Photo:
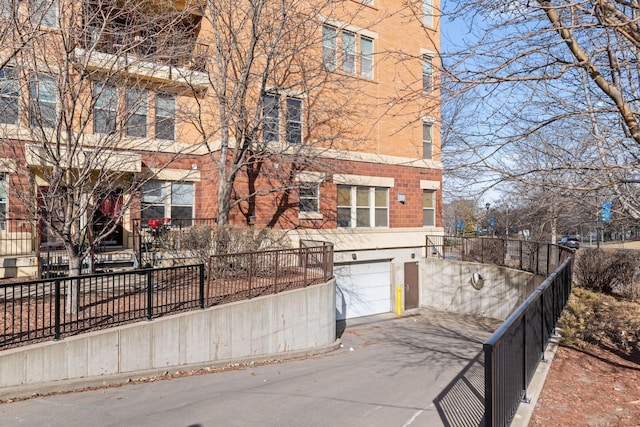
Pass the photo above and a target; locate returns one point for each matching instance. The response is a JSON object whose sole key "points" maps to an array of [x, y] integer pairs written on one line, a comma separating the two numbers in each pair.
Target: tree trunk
{"points": [[73, 286]]}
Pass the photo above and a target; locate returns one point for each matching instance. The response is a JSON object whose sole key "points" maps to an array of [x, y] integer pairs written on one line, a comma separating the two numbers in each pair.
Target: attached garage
{"points": [[362, 288]]}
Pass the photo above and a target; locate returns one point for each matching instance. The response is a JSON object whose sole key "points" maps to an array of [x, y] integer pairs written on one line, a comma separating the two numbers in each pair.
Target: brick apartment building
{"points": [[322, 119]]}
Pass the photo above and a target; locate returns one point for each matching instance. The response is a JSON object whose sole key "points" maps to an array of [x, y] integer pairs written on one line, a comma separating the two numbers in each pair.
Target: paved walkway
{"points": [[419, 370]]}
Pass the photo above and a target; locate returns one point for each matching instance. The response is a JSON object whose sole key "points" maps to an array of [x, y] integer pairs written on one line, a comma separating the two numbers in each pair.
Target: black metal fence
{"points": [[63, 306], [536, 257], [247, 275], [53, 308], [512, 353], [17, 237]]}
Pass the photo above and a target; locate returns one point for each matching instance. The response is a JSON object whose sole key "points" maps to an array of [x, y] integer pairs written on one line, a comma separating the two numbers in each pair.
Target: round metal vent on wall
{"points": [[477, 281]]}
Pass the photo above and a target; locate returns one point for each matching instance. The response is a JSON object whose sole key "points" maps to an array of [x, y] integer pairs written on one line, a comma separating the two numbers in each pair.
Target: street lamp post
{"points": [[488, 206], [507, 232]]}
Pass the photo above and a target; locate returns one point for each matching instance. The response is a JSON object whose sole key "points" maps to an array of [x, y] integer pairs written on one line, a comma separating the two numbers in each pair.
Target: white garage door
{"points": [[362, 289]]}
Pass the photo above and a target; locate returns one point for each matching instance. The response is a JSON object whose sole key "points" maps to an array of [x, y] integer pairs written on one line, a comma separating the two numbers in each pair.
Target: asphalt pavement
{"points": [[423, 369]]}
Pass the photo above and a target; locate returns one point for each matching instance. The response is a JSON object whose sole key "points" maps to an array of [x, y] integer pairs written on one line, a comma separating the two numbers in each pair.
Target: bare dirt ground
{"points": [[590, 387], [594, 379]]}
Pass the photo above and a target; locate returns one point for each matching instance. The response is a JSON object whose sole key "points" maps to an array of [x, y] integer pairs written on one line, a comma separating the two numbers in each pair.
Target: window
{"points": [[348, 52], [182, 196], [165, 116], [309, 197], [136, 105], [294, 120], [9, 96], [106, 107], [427, 13], [153, 200], [366, 57], [44, 13], [42, 101], [329, 47], [429, 208], [271, 118], [427, 73], [172, 200], [427, 141], [359, 206]]}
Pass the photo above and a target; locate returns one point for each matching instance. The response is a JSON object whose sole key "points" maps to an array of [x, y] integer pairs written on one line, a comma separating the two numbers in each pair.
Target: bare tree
{"points": [[77, 142], [566, 66], [275, 103]]}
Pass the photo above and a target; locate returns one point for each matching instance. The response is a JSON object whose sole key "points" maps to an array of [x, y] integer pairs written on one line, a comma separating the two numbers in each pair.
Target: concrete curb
{"points": [[76, 384], [525, 410]]}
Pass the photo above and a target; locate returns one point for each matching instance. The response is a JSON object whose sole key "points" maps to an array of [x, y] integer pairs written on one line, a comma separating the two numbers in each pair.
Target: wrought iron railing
{"points": [[251, 274], [17, 237], [62, 306], [537, 257], [53, 308], [513, 352]]}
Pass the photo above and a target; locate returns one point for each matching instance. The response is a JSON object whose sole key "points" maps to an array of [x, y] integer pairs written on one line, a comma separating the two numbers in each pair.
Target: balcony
{"points": [[157, 57]]}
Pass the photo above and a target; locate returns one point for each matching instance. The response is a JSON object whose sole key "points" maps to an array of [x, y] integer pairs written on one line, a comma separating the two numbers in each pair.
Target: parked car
{"points": [[569, 242]]}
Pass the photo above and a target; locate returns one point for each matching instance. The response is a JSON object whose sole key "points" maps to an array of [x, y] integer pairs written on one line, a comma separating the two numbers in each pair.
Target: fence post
{"points": [[523, 389], [275, 283], [250, 272], [548, 259], [201, 271], [305, 255], [520, 249], [57, 310], [149, 295], [489, 389]]}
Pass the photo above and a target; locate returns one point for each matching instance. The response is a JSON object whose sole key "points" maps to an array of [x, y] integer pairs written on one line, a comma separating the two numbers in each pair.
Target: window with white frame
{"points": [[165, 125], [427, 73], [9, 95], [174, 200], [348, 52], [427, 13], [329, 47], [42, 101], [105, 108], [359, 206], [44, 13], [182, 200], [366, 57], [294, 120], [309, 195], [429, 208], [271, 117], [427, 140], [136, 109]]}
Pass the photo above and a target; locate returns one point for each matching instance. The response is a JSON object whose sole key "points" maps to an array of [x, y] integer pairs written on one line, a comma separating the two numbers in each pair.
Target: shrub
{"points": [[608, 271], [602, 320], [201, 241]]}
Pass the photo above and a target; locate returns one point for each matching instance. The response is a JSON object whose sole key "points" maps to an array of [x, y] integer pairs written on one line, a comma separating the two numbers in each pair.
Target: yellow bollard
{"points": [[399, 300]]}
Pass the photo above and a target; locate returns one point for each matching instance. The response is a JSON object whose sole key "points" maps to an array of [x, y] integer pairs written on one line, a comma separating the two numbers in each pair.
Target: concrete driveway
{"points": [[423, 369]]}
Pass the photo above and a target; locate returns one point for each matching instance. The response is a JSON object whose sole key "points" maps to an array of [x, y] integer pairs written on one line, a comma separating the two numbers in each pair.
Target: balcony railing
{"points": [[180, 53]]}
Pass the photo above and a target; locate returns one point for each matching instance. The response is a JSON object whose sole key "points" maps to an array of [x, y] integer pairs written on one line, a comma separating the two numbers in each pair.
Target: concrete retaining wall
{"points": [[295, 320], [449, 285]]}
